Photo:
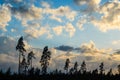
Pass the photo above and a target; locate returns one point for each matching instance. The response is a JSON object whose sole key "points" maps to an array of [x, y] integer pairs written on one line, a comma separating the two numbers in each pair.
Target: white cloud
{"points": [[56, 18], [7, 44], [115, 42], [30, 17], [105, 16], [92, 5], [80, 23], [45, 4], [13, 30], [91, 48], [58, 30], [33, 32], [49, 35], [32, 13], [61, 12], [111, 17], [70, 29], [5, 16]]}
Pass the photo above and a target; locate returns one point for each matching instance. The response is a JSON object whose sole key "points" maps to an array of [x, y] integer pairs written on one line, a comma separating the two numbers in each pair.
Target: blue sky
{"points": [[49, 16]]}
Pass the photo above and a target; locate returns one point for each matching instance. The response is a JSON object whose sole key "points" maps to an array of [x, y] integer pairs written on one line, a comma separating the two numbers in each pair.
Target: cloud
{"points": [[13, 30], [115, 42], [7, 44], [92, 61], [8, 53], [5, 16], [24, 10], [62, 11], [92, 5], [7, 61], [64, 48], [103, 16], [30, 16], [58, 30], [91, 48], [110, 18], [45, 4], [27, 14], [36, 32], [56, 18], [85, 48], [55, 14], [70, 29], [80, 23]]}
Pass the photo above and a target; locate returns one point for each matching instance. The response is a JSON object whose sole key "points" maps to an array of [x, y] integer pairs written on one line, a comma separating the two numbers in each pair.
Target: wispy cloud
{"points": [[115, 42]]}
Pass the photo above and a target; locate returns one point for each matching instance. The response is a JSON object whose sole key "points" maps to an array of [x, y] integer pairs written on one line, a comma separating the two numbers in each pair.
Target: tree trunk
{"points": [[31, 63], [19, 64]]}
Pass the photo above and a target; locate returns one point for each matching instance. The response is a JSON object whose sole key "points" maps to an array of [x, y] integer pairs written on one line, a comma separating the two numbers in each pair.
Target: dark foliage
{"points": [[35, 74]]}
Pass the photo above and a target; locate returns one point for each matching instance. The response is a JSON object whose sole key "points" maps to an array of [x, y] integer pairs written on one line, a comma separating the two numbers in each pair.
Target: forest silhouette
{"points": [[26, 71]]}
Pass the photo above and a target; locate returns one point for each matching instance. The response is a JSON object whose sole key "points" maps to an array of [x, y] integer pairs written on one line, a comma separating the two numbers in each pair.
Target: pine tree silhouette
{"points": [[24, 66], [110, 72], [46, 55], [20, 47], [75, 66], [101, 68], [29, 58], [118, 69], [83, 67], [67, 65], [8, 72]]}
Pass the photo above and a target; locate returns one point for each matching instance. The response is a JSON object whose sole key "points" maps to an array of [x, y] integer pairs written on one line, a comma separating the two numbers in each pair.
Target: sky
{"points": [[93, 26], [60, 22]]}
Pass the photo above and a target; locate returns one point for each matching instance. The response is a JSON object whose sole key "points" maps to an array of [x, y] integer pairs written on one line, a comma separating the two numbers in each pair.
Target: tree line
{"points": [[27, 71]]}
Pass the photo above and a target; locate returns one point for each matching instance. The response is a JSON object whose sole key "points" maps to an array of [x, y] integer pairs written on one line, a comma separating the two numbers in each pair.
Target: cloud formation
{"points": [[115, 42], [5, 16], [62, 11], [27, 14], [91, 5], [58, 30], [107, 15], [70, 29], [91, 48], [110, 18]]}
